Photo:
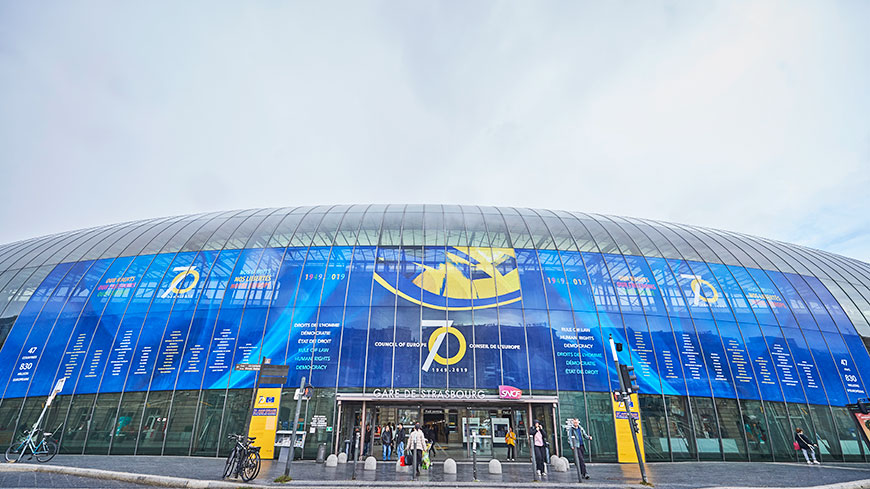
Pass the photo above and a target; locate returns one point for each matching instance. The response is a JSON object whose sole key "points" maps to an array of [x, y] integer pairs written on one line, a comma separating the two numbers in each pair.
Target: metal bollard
{"points": [[576, 456], [534, 462], [414, 468], [355, 455], [474, 456]]}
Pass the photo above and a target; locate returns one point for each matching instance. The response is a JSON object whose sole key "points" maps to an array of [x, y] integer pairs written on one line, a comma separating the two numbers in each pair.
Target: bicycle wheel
{"points": [[13, 453], [251, 466], [231, 464], [46, 451]]}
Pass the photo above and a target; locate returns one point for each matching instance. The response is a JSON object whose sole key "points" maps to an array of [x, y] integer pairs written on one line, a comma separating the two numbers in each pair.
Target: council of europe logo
{"points": [[468, 278]]}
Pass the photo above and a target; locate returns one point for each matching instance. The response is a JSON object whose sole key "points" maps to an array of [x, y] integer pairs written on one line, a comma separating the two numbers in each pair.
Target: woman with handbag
{"points": [[802, 443]]}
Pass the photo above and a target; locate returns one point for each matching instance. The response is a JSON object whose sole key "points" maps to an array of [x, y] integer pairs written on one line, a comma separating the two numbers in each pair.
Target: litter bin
{"points": [[321, 453]]}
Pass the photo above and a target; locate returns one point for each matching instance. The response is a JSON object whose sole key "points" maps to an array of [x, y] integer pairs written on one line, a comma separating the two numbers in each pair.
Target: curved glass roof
{"points": [[453, 225]]}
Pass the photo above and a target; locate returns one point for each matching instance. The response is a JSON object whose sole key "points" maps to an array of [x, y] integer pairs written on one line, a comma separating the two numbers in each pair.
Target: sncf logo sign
{"points": [[508, 392]]}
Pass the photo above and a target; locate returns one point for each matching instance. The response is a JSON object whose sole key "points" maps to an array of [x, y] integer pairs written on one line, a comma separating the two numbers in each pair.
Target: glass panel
{"points": [[175, 243], [826, 435], [129, 420], [96, 243], [77, 424], [208, 423], [454, 225], [282, 234], [519, 234], [103, 426], [200, 237], [135, 247], [643, 242], [242, 233], [234, 416], [165, 234], [699, 246], [731, 427], [181, 419], [704, 416], [370, 228], [261, 236], [497, 230], [655, 429], [664, 246], [600, 235], [680, 428], [540, 234], [603, 444], [8, 420], [755, 429], [848, 435], [412, 229], [346, 235], [781, 433], [684, 248], [625, 244], [391, 229], [325, 234], [475, 226], [154, 423]]}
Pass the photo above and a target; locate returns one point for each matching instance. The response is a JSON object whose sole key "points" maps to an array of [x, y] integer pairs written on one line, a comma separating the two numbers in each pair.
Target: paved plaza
{"points": [[206, 472]]}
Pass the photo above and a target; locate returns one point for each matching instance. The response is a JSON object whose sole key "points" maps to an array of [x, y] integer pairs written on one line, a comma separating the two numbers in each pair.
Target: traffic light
{"points": [[629, 379]]}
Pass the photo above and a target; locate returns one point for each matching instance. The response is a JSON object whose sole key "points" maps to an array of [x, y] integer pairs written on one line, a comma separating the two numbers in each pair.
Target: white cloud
{"points": [[739, 115]]}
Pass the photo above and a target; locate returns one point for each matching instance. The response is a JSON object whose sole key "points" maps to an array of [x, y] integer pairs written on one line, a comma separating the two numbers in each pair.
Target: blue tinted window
{"points": [[603, 292]]}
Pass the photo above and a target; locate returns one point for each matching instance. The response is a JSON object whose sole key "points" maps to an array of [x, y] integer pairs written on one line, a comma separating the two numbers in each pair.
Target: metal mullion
{"points": [[48, 297], [336, 415], [646, 320], [144, 321], [785, 340], [184, 347], [369, 321]]}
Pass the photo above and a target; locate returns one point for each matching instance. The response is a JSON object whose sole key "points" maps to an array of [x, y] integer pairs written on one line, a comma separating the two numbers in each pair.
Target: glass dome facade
{"points": [[736, 340]]}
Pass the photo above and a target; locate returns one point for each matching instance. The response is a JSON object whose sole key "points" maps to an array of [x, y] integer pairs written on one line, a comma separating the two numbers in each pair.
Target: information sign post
{"points": [[54, 392], [303, 392]]}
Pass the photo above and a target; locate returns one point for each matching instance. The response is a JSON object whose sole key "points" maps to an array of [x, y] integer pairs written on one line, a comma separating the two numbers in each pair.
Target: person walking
{"points": [[367, 441], [429, 433], [417, 443], [539, 442], [400, 440], [387, 442], [805, 445], [576, 434], [511, 439]]}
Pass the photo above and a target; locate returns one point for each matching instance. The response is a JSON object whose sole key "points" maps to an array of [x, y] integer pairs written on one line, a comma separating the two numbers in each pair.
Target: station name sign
{"points": [[429, 394]]}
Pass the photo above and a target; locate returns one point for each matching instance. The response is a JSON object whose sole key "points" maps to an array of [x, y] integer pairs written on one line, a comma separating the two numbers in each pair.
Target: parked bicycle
{"points": [[244, 460], [40, 443]]}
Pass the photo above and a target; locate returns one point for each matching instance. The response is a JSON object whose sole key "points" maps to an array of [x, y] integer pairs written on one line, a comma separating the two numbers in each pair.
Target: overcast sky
{"points": [[746, 116]]}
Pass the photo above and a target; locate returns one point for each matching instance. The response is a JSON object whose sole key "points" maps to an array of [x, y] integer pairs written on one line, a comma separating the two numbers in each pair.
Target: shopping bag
{"points": [[797, 446], [402, 460]]}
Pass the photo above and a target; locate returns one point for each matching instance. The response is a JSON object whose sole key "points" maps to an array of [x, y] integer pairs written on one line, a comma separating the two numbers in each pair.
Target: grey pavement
{"points": [[20, 480], [679, 475]]}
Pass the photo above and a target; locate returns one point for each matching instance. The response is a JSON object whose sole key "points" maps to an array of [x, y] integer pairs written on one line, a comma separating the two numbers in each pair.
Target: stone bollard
{"points": [[402, 468], [566, 462], [332, 460], [371, 463], [342, 458], [449, 466], [558, 464], [494, 467]]}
